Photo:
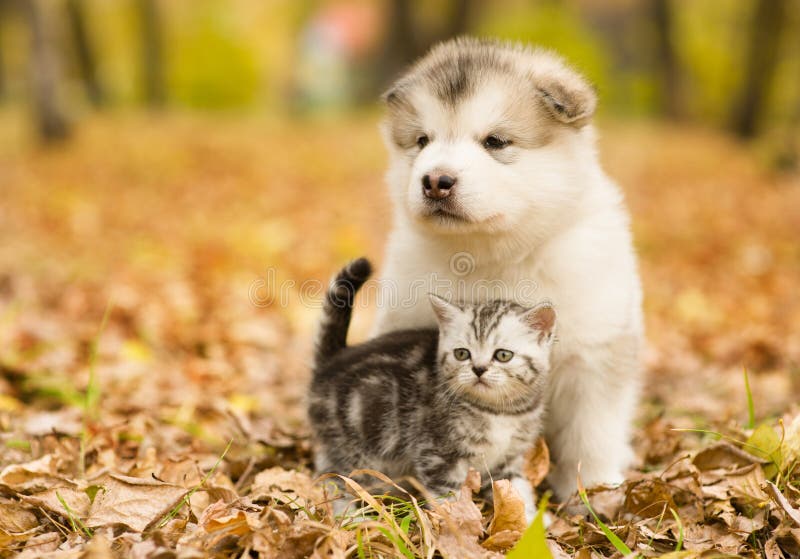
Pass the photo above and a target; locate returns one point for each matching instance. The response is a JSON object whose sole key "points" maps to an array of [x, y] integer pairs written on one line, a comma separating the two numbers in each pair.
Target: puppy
{"points": [[494, 178]]}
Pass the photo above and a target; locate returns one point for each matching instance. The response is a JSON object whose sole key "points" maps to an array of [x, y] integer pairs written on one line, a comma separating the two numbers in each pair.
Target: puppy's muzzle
{"points": [[437, 185]]}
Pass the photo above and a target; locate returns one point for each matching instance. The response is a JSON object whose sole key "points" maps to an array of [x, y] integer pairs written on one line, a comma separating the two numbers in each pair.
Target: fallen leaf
{"points": [[537, 463], [17, 524], [285, 486], [776, 495], [509, 509], [772, 550], [461, 525], [747, 495], [766, 443], [502, 540], [77, 500], [98, 548], [791, 441], [133, 502], [647, 498], [723, 455], [33, 476], [42, 544]]}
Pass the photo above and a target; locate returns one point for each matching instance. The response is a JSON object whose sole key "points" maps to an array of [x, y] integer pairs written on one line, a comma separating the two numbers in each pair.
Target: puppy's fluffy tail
{"points": [[338, 308]]}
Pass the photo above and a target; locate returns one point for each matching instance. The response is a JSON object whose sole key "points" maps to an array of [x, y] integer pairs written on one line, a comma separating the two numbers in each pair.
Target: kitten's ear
{"points": [[542, 319], [445, 310]]}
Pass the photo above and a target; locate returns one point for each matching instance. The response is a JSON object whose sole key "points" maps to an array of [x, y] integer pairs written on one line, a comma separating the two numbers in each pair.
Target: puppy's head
{"points": [[488, 137]]}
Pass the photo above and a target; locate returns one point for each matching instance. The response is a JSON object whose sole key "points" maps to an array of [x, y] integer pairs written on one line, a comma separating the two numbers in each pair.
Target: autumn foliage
{"points": [[151, 388]]}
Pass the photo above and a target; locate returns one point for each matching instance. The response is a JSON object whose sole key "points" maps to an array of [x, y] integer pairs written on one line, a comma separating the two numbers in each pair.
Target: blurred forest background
{"points": [[166, 165], [731, 64]]}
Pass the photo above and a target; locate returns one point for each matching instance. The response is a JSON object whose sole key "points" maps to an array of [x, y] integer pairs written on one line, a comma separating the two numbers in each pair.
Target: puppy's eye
{"points": [[503, 355], [423, 141], [494, 142], [461, 354]]}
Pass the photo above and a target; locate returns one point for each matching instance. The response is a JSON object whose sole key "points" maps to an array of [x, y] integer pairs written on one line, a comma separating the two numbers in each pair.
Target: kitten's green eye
{"points": [[461, 354], [503, 355]]}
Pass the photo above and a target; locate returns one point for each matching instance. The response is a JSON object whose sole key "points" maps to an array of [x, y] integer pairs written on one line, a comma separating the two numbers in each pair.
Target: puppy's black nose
{"points": [[478, 370], [437, 185]]}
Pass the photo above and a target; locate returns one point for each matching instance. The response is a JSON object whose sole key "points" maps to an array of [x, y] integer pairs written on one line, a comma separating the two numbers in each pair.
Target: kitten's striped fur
{"points": [[403, 404]]}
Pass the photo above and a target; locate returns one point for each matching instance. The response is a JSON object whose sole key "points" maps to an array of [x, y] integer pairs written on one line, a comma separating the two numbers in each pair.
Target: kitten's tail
{"points": [[337, 309]]}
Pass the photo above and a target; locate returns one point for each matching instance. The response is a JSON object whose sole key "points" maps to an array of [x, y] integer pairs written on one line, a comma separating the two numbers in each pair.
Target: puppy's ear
{"points": [[391, 96], [445, 310], [542, 319], [568, 99]]}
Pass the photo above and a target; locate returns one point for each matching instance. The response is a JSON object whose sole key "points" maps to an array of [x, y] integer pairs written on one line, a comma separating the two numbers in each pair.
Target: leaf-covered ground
{"points": [[151, 401]]}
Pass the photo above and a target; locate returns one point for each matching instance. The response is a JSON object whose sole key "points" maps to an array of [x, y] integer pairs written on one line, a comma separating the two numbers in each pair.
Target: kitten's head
{"points": [[495, 354]]}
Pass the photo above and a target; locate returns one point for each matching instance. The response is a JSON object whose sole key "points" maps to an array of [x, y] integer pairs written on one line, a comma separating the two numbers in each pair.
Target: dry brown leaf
{"points": [[556, 551], [38, 546], [285, 486], [280, 538], [77, 500], [509, 508], [791, 441], [225, 523], [334, 545], [701, 537], [723, 455], [605, 501], [660, 441], [780, 500], [537, 462], [133, 502], [502, 540], [17, 524], [648, 498], [772, 550], [461, 525], [747, 495], [98, 548], [33, 476]]}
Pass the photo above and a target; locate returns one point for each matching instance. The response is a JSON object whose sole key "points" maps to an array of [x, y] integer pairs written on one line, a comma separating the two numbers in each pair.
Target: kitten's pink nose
{"points": [[478, 370]]}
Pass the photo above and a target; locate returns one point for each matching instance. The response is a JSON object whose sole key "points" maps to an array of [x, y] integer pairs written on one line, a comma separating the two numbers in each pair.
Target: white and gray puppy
{"points": [[492, 159]]}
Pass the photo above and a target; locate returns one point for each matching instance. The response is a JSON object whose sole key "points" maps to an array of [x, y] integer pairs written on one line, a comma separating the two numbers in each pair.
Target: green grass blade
{"points": [[91, 402], [751, 408], [677, 518], [73, 520], [533, 542], [360, 545], [93, 388], [615, 540], [398, 542], [185, 501]]}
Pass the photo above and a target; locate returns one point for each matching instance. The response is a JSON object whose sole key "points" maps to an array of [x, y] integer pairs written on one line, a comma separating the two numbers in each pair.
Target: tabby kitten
{"points": [[431, 404]]}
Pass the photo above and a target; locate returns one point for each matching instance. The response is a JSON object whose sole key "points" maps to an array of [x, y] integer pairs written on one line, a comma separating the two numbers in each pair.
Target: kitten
{"points": [[431, 404]]}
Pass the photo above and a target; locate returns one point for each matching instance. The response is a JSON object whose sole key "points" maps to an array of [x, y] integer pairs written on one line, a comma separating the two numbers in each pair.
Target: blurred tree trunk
{"points": [[399, 47], [666, 63], [762, 59], [459, 19], [87, 62], [3, 18], [51, 122], [405, 41], [152, 52]]}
